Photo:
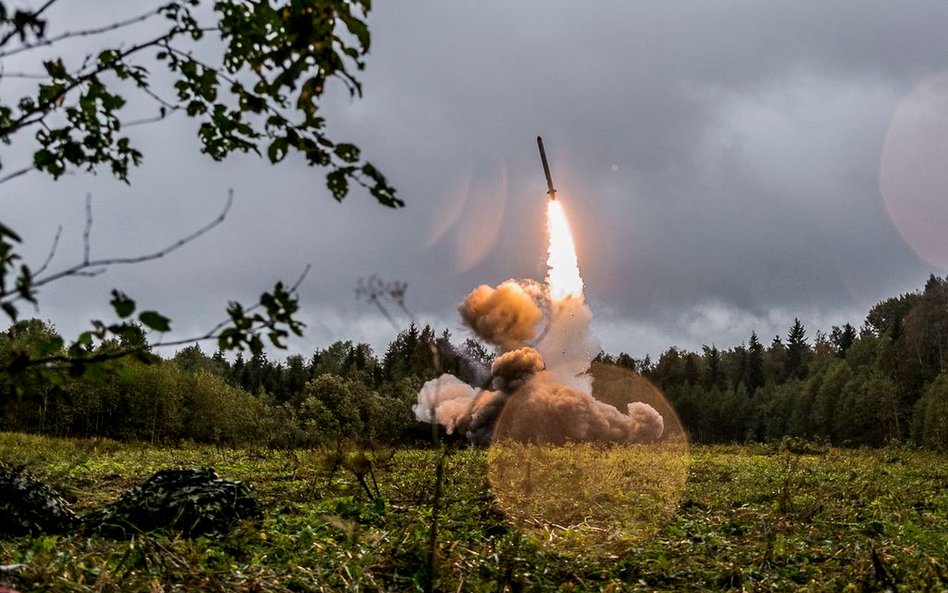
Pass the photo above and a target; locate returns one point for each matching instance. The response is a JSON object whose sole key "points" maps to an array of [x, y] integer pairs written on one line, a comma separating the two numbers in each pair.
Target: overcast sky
{"points": [[726, 166]]}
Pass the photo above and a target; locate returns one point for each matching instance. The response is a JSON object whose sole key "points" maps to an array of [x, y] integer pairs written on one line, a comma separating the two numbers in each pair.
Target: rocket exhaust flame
{"points": [[563, 268]]}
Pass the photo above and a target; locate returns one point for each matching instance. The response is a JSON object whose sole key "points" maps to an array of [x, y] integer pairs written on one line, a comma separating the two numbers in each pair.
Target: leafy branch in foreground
{"points": [[28, 283], [261, 95], [272, 315]]}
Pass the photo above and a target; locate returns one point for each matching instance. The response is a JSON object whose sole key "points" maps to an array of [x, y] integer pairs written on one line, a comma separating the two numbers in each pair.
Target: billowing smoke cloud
{"points": [[540, 392], [512, 369], [505, 316], [546, 411], [445, 400]]}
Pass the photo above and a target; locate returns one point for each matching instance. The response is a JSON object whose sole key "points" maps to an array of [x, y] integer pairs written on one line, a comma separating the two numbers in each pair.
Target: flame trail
{"points": [[545, 378], [563, 269], [567, 347]]}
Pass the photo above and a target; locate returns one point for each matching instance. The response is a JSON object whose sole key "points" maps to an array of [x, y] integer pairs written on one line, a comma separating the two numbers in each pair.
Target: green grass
{"points": [[747, 518]]}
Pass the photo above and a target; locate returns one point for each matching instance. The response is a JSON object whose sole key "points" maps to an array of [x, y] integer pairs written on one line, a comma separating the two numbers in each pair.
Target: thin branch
{"points": [[6, 38], [71, 34], [89, 267], [87, 232], [40, 111], [43, 8], [374, 290], [52, 252], [145, 121], [30, 75], [16, 174], [164, 103], [212, 334], [163, 112]]}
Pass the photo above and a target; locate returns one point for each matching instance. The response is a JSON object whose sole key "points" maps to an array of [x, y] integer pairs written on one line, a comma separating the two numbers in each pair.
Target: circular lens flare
{"points": [[589, 497], [913, 172]]}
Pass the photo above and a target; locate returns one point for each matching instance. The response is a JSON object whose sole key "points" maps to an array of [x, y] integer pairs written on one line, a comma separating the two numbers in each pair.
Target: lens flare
{"points": [[563, 269], [593, 498], [912, 174]]}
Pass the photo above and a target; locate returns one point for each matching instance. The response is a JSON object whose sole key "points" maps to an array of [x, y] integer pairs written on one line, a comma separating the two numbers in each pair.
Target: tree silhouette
{"points": [[797, 351], [754, 371]]}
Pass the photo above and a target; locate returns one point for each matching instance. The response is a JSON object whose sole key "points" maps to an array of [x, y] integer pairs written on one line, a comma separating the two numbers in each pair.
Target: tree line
{"points": [[341, 392], [884, 382]]}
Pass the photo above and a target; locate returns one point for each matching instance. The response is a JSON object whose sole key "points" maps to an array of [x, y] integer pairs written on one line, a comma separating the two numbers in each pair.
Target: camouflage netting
{"points": [[28, 506], [188, 501]]}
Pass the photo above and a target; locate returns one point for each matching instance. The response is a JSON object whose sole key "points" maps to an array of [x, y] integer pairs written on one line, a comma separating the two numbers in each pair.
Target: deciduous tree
{"points": [[251, 73]]}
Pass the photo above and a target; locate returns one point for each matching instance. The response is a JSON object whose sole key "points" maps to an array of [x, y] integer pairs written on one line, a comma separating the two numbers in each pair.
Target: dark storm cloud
{"points": [[719, 162]]}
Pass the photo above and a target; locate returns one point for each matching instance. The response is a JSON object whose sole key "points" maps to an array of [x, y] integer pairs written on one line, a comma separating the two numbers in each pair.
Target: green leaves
{"points": [[21, 287], [276, 321], [154, 320], [55, 68], [278, 149], [123, 305], [347, 152], [338, 182], [263, 95]]}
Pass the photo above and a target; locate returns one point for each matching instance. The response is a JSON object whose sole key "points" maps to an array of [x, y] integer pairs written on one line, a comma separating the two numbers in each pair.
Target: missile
{"points": [[546, 170]]}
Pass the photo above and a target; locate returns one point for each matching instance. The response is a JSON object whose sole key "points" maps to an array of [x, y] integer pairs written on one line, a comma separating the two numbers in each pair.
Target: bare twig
{"points": [[213, 333], [16, 174], [163, 102], [89, 267], [86, 248], [375, 290], [29, 75], [71, 34], [52, 252], [166, 107], [43, 8], [89, 263]]}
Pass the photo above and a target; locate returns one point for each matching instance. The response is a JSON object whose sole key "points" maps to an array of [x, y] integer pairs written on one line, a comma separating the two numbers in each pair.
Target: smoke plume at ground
{"points": [[540, 392], [546, 411]]}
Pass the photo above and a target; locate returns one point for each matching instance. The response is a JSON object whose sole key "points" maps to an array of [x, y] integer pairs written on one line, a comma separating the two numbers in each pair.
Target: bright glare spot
{"points": [[563, 275], [591, 499], [913, 174]]}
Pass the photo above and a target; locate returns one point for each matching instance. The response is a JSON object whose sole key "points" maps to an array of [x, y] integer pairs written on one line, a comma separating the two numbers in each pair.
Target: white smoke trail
{"points": [[541, 393]]}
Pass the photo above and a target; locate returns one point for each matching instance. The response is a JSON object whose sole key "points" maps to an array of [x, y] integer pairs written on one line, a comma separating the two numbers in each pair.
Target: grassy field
{"points": [[739, 518]]}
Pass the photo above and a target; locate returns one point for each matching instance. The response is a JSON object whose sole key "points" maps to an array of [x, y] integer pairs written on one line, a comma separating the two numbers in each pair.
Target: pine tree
{"points": [[754, 370], [797, 351], [714, 376], [842, 338]]}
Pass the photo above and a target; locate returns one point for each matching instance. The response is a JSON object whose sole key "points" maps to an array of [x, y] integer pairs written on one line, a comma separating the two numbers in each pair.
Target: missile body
{"points": [[546, 170]]}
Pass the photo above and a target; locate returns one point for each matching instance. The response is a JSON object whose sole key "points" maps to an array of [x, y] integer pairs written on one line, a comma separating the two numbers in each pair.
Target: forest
{"points": [[883, 383]]}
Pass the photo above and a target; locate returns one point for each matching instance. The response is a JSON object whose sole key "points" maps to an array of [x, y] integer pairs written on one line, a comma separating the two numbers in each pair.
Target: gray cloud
{"points": [[719, 162]]}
